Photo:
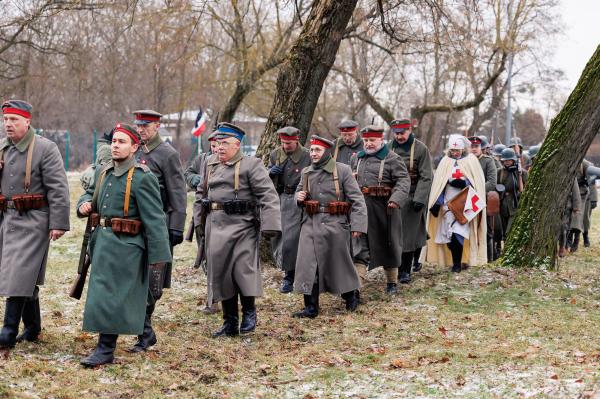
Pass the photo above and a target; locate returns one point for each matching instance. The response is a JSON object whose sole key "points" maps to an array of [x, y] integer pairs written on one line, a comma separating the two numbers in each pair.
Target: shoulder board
{"points": [[143, 167]]}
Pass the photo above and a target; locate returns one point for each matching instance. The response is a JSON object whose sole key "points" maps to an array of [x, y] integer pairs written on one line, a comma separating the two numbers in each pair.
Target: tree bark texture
{"points": [[533, 239], [303, 73]]}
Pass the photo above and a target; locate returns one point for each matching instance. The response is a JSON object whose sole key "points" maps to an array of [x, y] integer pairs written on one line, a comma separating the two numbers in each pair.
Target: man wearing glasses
{"points": [[417, 159]]}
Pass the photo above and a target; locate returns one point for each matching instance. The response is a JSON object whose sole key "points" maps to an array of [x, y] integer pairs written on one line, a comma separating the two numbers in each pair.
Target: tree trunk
{"points": [[533, 239], [303, 73]]}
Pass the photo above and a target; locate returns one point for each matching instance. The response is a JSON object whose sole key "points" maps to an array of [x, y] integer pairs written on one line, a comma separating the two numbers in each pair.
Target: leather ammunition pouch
{"points": [[493, 203], [311, 206], [338, 208], [457, 206], [157, 273], [3, 203], [26, 202], [230, 207], [377, 191], [129, 227]]}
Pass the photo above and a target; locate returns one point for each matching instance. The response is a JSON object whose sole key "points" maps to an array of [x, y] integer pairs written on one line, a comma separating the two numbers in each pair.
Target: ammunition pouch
{"points": [[237, 206], [157, 273], [129, 227], [26, 202], [338, 208], [311, 206], [377, 191], [3, 203]]}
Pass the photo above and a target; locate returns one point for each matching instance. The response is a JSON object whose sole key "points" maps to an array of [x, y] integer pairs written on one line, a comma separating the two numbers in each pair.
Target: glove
{"points": [[458, 183], [435, 210], [270, 233], [275, 170], [195, 181], [594, 204], [175, 237], [417, 206]]}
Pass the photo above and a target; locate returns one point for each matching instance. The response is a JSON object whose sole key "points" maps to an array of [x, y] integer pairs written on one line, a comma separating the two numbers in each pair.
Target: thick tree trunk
{"points": [[533, 239], [303, 73]]}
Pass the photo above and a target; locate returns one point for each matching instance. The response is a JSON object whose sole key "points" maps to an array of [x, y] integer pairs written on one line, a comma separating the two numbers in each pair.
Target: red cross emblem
{"points": [[457, 174], [474, 200]]}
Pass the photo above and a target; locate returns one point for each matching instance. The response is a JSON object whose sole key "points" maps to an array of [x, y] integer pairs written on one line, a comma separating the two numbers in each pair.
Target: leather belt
{"points": [[216, 206], [289, 190], [105, 222]]}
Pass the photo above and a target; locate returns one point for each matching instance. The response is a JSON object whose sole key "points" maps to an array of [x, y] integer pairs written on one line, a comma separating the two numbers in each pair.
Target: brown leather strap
{"points": [[337, 149], [128, 191], [306, 184], [336, 183], [28, 164], [412, 157], [380, 176], [236, 176], [97, 191]]}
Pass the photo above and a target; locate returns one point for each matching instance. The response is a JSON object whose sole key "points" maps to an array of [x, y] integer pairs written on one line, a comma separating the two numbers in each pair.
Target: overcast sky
{"points": [[581, 20]]}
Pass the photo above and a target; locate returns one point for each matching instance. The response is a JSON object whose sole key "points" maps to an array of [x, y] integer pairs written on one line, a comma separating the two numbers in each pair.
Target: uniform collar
{"points": [[328, 167], [356, 144], [406, 145], [295, 156], [120, 170], [22, 145], [152, 144], [238, 155]]}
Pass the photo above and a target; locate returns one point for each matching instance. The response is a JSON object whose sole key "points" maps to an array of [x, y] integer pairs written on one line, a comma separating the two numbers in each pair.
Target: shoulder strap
{"points": [[336, 183], [380, 176], [97, 190], [28, 164], [411, 162], [358, 166], [337, 150], [1, 164], [236, 177], [306, 183], [128, 192]]}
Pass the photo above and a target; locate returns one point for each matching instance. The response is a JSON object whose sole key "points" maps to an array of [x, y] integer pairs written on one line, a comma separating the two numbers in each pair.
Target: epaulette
{"points": [[143, 167]]}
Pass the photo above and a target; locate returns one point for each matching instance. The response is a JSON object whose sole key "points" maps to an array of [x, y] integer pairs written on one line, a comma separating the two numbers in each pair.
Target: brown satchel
{"points": [[457, 206], [493, 203]]}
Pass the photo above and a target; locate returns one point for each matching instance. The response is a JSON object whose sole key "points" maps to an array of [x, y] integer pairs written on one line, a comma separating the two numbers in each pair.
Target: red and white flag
{"points": [[200, 125], [474, 205]]}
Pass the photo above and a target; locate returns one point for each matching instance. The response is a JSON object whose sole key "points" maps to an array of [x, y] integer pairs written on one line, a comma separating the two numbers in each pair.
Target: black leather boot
{"points": [[146, 339], [32, 319], [12, 319], [456, 249], [417, 266], [351, 300], [104, 352], [586, 239], [311, 304], [230, 327], [287, 284], [576, 237], [248, 314], [405, 266]]}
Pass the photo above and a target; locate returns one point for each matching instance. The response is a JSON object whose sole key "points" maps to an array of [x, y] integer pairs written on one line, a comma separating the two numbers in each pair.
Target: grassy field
{"points": [[485, 333]]}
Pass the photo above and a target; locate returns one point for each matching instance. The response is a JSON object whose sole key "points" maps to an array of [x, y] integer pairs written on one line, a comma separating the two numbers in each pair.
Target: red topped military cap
{"points": [[17, 107], [145, 116]]}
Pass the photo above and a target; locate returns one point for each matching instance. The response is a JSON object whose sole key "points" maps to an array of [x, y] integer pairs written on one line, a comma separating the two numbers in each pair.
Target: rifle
{"points": [[84, 263]]}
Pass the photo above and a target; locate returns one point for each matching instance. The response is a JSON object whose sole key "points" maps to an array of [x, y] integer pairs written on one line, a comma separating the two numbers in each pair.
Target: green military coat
{"points": [[118, 287], [345, 152], [490, 172], [421, 176]]}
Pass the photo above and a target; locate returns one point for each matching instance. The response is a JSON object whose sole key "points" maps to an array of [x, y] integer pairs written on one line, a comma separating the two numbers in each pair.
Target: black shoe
{"points": [[248, 314], [417, 267], [33, 321], [306, 313], [351, 300], [230, 327], [586, 240], [576, 237], [12, 319], [311, 305], [104, 352], [456, 269], [146, 340], [391, 288], [286, 287], [404, 278]]}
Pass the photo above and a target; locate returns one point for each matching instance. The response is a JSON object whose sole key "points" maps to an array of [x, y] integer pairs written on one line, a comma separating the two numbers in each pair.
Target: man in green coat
{"points": [[129, 233], [349, 143], [417, 159]]}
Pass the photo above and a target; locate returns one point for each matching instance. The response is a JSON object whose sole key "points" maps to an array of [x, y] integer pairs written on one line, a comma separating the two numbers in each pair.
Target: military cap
{"points": [[17, 107], [226, 130], [515, 141], [400, 125], [317, 140], [128, 130], [498, 149], [145, 116], [508, 154], [347, 124], [213, 135], [533, 150], [372, 131], [289, 133], [475, 140]]}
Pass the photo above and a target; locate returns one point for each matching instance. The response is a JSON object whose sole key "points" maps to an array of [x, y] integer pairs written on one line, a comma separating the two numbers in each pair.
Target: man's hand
{"points": [[175, 237], [195, 181], [356, 234], [418, 206], [593, 204], [85, 209], [275, 170], [393, 205], [435, 210], [300, 196], [56, 234]]}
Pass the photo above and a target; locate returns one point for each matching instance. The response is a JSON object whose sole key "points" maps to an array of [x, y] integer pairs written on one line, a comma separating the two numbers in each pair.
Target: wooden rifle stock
{"points": [[84, 263]]}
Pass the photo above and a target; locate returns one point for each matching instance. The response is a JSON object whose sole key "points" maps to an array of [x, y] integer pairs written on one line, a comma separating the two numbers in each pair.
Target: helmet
{"points": [[484, 142], [498, 149], [508, 154], [533, 150], [515, 141]]}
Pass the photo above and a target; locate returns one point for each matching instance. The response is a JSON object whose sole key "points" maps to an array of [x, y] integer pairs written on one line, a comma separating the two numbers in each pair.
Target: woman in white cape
{"points": [[457, 170]]}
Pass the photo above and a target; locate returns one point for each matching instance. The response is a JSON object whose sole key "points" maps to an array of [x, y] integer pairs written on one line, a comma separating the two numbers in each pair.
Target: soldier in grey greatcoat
{"points": [[34, 206], [490, 172], [334, 213], [385, 184], [241, 203], [590, 204], [513, 179], [349, 143], [417, 159], [163, 161], [285, 166]]}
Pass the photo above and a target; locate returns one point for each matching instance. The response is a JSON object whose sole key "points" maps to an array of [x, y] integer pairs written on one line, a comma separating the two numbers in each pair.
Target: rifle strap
{"points": [[306, 184], [336, 183], [337, 149], [1, 165], [128, 192], [236, 177], [380, 176], [411, 162], [97, 191], [28, 164]]}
